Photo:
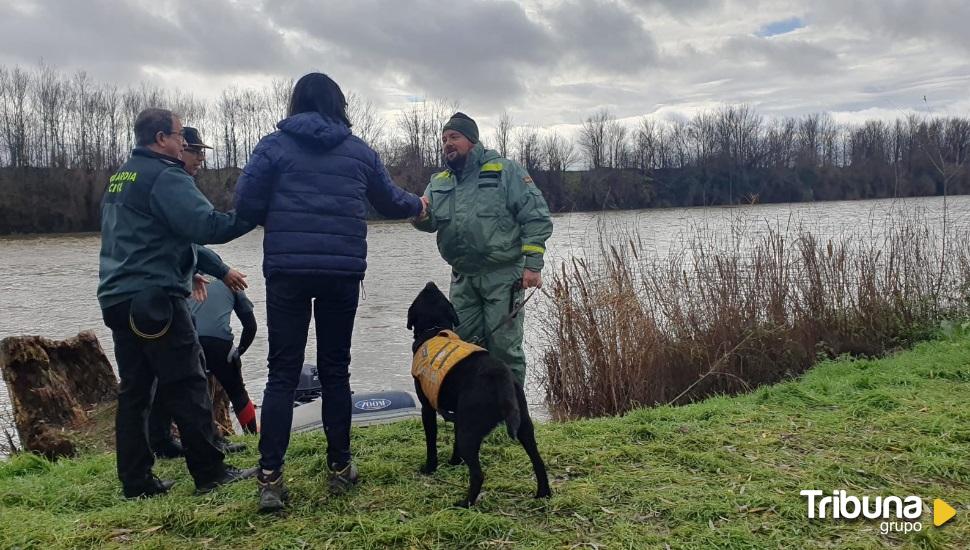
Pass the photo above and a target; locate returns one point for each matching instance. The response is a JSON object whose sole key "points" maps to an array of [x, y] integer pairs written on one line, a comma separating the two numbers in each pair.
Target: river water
{"points": [[48, 284]]}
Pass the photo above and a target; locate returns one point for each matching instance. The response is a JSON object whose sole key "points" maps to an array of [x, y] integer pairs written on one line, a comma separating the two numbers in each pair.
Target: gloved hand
{"points": [[233, 356]]}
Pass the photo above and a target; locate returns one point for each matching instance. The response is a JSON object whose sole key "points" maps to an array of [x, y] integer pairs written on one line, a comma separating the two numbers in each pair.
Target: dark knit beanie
{"points": [[462, 123]]}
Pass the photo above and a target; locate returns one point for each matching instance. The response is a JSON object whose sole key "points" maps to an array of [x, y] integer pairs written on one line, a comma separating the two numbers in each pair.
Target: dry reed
{"points": [[724, 313]]}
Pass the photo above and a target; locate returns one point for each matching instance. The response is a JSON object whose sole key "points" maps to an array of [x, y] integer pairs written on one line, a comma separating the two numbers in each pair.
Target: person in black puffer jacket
{"points": [[308, 184]]}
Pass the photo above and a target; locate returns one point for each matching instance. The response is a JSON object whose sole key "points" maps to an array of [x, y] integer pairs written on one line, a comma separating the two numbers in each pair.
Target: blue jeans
{"points": [[289, 299]]}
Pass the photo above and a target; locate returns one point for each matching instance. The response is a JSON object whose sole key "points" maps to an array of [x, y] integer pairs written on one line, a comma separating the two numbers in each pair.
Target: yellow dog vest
{"points": [[435, 358]]}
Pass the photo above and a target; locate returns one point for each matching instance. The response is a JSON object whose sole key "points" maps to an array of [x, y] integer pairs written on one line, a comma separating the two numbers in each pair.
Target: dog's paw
{"points": [[428, 469], [463, 503], [455, 460], [543, 494]]}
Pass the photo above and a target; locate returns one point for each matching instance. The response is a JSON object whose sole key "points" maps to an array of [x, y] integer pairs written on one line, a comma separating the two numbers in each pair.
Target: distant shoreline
{"points": [[379, 221]]}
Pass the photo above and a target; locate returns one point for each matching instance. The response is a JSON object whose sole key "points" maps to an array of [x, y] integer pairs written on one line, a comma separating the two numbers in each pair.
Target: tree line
{"points": [[51, 120]]}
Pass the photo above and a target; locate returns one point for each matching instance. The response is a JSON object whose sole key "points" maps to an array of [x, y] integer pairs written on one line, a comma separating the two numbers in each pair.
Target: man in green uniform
{"points": [[492, 224], [151, 215]]}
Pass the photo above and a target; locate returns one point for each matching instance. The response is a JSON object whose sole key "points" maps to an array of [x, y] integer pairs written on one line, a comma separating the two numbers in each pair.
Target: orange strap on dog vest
{"points": [[435, 358]]}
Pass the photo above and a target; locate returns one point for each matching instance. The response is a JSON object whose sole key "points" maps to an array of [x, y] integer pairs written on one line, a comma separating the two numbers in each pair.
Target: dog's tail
{"points": [[508, 404]]}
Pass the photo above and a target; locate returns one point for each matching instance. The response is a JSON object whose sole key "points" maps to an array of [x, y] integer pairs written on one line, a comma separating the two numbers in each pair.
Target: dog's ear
{"points": [[411, 317], [454, 314]]}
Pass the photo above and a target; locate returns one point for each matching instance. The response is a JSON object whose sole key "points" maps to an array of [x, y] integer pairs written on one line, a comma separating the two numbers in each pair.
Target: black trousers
{"points": [[175, 361], [290, 299], [229, 376]]}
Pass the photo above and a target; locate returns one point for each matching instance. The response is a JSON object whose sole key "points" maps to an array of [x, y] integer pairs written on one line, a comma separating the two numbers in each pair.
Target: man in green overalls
{"points": [[492, 224]]}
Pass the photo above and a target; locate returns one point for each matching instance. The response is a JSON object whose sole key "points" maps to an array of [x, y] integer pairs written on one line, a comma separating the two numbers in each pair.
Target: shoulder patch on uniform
{"points": [[528, 180], [442, 175], [492, 167]]}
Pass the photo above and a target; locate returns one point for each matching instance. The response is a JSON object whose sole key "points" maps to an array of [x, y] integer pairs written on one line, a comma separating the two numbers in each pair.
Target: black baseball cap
{"points": [[193, 139]]}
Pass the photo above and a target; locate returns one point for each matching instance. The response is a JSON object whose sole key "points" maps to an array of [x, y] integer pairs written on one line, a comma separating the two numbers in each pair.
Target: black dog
{"points": [[477, 394]]}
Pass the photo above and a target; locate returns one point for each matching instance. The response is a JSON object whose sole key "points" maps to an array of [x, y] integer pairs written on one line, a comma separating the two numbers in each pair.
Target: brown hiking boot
{"points": [[342, 479], [273, 493]]}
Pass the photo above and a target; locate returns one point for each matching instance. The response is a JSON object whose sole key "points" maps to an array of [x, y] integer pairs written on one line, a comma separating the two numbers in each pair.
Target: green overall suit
{"points": [[491, 222]]}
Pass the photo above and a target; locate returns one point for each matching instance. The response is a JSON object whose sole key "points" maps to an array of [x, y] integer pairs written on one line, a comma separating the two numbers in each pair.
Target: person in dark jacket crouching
{"points": [[151, 215], [308, 184], [223, 361]]}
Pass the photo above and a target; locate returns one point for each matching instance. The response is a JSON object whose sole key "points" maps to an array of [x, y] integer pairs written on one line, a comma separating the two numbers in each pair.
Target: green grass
{"points": [[723, 473]]}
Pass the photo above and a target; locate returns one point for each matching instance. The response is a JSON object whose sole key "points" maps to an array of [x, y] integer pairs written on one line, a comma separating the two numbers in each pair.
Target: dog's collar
{"points": [[428, 333], [420, 337]]}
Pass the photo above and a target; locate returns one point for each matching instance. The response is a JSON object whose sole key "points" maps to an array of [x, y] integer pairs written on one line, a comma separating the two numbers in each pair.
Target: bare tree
{"points": [[663, 148], [367, 122], [738, 132], [15, 114], [411, 123], [130, 106], [51, 95], [421, 125], [615, 144], [680, 145], [644, 149], [228, 109], [779, 149], [809, 140], [280, 90], [438, 113], [503, 134], [592, 139], [254, 111], [110, 118], [699, 139], [82, 123], [527, 146], [558, 152]]}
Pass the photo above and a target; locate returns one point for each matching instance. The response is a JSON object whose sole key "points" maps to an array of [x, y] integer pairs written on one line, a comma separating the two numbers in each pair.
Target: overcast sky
{"points": [[547, 62]]}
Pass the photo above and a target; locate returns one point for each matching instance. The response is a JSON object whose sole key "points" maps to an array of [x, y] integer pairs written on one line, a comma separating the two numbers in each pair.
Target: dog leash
{"points": [[514, 309]]}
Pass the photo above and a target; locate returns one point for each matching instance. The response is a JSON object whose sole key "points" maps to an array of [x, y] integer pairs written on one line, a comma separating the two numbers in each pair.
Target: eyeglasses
{"points": [[179, 133]]}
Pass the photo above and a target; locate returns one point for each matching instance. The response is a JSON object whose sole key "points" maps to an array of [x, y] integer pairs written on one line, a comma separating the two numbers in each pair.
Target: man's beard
{"points": [[457, 164]]}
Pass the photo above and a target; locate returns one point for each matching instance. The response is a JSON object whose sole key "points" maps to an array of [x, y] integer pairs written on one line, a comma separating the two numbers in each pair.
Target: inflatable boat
{"points": [[367, 408]]}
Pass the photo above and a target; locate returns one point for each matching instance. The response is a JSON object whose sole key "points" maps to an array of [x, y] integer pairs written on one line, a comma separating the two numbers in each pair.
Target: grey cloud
{"points": [[795, 57], [680, 7], [604, 36], [940, 21], [487, 53], [548, 62], [221, 37], [85, 35], [622, 100], [747, 71], [115, 39], [481, 53]]}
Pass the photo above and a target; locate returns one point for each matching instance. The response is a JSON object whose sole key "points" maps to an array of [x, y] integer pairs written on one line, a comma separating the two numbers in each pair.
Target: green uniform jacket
{"points": [[210, 263], [151, 214], [489, 216]]}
